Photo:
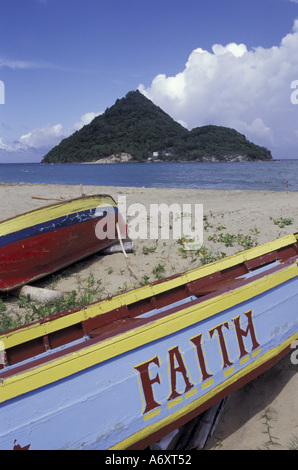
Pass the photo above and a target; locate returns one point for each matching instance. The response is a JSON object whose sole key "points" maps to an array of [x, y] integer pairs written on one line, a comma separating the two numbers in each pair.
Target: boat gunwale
{"points": [[69, 317], [58, 203]]}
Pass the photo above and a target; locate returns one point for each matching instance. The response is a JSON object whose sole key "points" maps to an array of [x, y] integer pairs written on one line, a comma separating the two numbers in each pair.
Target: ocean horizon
{"points": [[260, 176]]}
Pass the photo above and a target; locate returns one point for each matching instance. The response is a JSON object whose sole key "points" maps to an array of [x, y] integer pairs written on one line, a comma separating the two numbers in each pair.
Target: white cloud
{"points": [[30, 64], [43, 137], [232, 86], [236, 50], [85, 119], [49, 136], [46, 137], [18, 64]]}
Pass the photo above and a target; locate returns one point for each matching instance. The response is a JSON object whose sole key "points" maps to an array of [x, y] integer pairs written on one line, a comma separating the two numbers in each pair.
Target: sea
{"points": [[259, 176]]}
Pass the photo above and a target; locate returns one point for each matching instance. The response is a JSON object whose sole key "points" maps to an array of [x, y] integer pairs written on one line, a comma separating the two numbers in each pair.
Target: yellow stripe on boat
{"points": [[51, 212]]}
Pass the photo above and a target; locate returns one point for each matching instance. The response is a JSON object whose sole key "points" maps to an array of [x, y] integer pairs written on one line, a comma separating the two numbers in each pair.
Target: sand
{"points": [[261, 415]]}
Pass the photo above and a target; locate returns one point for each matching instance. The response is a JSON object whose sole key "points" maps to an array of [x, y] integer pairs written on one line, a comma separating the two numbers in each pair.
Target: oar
{"points": [[46, 199], [124, 252]]}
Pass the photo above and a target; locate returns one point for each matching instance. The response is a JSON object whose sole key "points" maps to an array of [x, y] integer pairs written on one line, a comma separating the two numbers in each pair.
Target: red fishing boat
{"points": [[39, 242]]}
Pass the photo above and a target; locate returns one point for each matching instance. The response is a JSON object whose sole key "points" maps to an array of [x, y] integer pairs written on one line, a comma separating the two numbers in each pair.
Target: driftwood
{"points": [[46, 199], [38, 294], [124, 252]]}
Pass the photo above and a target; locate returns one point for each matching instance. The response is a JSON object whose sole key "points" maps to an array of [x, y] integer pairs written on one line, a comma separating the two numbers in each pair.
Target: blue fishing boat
{"points": [[125, 371]]}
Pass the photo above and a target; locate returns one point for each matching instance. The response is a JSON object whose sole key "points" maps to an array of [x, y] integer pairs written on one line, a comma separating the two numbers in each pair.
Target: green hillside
{"points": [[136, 126]]}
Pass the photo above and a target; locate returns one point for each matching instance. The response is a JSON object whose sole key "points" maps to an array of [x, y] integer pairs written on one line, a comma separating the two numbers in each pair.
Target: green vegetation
{"points": [[147, 250], [205, 255], [228, 240], [159, 271], [282, 222], [32, 312], [268, 416], [136, 126]]}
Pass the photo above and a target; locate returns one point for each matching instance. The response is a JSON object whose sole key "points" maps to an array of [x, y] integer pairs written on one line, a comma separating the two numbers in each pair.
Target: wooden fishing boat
{"points": [[123, 372], [39, 242]]}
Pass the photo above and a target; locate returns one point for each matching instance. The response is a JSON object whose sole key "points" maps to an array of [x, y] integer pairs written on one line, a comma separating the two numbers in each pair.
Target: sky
{"points": [[231, 63]]}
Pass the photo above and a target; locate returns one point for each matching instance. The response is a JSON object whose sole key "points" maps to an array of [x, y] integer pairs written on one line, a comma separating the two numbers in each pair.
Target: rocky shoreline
{"points": [[128, 158]]}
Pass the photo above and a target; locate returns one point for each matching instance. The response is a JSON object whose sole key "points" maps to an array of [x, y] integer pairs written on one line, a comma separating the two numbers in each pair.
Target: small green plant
{"points": [[91, 289], [246, 241], [268, 417], [185, 239], [145, 280], [207, 256], [7, 323], [294, 443], [206, 222], [147, 250], [282, 222], [183, 252], [226, 238], [85, 295], [35, 312], [159, 271], [2, 306], [229, 239]]}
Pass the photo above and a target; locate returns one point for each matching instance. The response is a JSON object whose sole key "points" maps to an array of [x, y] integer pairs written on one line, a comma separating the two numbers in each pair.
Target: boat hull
{"points": [[43, 241], [125, 387]]}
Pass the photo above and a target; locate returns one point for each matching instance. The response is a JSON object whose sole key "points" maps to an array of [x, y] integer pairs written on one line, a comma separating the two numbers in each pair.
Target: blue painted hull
{"points": [[104, 406], [123, 372]]}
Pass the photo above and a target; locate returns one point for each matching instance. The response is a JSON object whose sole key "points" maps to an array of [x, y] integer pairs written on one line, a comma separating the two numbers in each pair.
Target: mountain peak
{"points": [[135, 125]]}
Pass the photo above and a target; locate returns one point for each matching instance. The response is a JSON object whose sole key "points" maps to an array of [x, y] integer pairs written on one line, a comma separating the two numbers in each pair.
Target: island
{"points": [[134, 129]]}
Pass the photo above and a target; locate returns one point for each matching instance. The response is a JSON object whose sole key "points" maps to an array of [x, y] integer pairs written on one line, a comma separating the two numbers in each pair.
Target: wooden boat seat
{"points": [[112, 326], [261, 260], [223, 284]]}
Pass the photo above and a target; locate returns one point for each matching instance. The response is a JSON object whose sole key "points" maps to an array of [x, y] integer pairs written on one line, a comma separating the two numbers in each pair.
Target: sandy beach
{"points": [[264, 413]]}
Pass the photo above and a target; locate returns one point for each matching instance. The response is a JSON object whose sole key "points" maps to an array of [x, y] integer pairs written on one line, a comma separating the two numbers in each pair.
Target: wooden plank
{"points": [[261, 260], [195, 287], [102, 320]]}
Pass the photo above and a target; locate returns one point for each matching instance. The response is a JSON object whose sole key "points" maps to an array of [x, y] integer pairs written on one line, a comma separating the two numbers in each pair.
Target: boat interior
{"points": [[137, 313]]}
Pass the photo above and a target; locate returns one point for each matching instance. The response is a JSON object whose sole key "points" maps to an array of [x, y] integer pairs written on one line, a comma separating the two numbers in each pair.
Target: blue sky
{"points": [[231, 63]]}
